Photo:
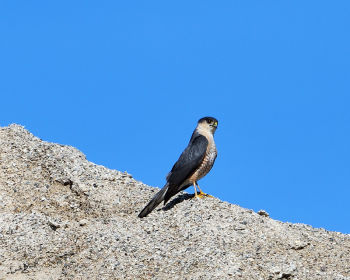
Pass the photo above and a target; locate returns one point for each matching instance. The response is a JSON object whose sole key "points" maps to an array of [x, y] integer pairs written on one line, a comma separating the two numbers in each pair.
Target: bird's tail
{"points": [[158, 198]]}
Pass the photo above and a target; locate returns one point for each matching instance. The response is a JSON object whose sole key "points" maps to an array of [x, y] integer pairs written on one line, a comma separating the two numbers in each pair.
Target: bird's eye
{"points": [[209, 121]]}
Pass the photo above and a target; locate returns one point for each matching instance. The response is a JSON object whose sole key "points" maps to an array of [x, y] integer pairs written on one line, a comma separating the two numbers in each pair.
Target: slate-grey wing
{"points": [[186, 165]]}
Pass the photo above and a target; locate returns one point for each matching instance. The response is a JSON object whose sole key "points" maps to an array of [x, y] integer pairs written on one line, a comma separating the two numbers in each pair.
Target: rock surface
{"points": [[63, 217]]}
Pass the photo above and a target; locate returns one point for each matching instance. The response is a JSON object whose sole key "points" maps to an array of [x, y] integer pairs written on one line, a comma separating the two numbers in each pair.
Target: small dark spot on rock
{"points": [[53, 225], [263, 213], [68, 182]]}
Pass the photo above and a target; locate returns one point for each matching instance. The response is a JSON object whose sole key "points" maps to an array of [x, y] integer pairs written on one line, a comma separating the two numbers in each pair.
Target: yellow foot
{"points": [[202, 194]]}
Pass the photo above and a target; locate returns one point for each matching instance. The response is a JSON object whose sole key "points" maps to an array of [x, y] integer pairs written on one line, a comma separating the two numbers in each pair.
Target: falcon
{"points": [[193, 164]]}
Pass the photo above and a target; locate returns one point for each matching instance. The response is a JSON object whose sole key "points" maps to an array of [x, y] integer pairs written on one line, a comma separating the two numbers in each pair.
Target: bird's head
{"points": [[208, 124]]}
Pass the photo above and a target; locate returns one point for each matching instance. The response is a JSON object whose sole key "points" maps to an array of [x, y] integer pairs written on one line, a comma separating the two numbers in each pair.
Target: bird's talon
{"points": [[202, 195]]}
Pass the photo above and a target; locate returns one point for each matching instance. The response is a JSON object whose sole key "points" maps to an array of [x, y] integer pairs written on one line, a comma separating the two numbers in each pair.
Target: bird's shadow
{"points": [[179, 199]]}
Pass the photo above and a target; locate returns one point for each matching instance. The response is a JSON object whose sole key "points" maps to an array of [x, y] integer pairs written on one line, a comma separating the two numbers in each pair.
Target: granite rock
{"points": [[63, 217]]}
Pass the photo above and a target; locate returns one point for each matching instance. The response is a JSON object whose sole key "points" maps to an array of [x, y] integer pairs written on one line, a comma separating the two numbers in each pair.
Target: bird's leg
{"points": [[195, 190], [201, 194]]}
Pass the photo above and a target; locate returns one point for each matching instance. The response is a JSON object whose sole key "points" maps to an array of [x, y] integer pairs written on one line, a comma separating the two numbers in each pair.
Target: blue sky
{"points": [[125, 82]]}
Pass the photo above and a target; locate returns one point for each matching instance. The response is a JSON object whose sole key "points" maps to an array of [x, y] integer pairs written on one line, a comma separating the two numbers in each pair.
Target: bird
{"points": [[193, 164]]}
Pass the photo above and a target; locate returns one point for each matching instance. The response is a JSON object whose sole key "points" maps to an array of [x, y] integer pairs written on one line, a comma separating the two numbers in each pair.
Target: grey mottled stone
{"points": [[63, 217]]}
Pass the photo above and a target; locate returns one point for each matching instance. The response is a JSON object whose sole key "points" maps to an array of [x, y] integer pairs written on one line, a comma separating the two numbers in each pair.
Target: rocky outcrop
{"points": [[63, 217]]}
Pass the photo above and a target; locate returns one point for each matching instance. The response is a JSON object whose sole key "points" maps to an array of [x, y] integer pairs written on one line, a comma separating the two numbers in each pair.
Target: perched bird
{"points": [[193, 164]]}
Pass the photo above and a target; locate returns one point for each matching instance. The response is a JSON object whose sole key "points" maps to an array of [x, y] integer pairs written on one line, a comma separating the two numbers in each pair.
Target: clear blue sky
{"points": [[126, 81]]}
